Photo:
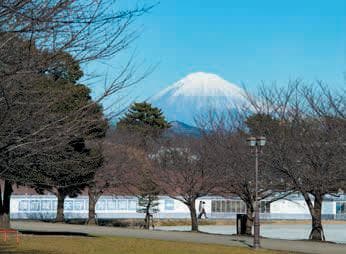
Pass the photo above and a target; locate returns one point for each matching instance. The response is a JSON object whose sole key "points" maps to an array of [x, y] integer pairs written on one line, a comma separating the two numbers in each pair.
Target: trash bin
{"points": [[241, 224]]}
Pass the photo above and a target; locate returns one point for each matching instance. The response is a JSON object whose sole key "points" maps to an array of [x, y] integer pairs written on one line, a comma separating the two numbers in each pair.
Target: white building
{"points": [[111, 207]]}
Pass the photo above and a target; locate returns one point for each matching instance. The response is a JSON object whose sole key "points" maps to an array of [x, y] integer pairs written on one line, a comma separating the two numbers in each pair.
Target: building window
{"points": [[122, 204], [228, 206], [55, 204], [242, 207], [35, 205], [101, 205], [213, 206], [78, 205], [264, 207], [236, 206], [23, 205], [46, 205], [340, 207], [68, 205], [169, 204], [111, 204], [132, 205]]}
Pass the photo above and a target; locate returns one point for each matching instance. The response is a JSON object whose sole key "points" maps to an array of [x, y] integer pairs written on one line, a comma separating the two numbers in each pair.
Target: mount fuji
{"points": [[197, 94]]}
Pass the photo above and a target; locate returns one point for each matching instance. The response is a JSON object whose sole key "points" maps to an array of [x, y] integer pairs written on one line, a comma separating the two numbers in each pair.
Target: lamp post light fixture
{"points": [[257, 143]]}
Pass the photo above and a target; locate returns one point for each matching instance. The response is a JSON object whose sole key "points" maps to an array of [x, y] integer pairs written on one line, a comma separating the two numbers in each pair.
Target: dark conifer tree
{"points": [[145, 120], [146, 123]]}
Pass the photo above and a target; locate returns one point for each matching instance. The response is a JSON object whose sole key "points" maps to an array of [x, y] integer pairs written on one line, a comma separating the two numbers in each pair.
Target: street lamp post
{"points": [[257, 143]]}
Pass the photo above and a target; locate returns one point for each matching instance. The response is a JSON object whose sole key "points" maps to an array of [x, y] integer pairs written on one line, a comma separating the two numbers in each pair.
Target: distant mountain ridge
{"points": [[178, 128], [196, 95]]}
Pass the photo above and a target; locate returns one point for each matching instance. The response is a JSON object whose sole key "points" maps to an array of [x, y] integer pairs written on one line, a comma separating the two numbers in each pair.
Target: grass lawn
{"points": [[114, 245]]}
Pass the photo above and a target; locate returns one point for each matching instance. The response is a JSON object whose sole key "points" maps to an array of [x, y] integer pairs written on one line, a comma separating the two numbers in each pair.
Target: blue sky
{"points": [[245, 42]]}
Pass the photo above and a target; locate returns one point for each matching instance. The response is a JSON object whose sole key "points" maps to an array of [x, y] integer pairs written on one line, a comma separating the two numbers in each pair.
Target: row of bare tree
{"points": [[305, 154], [305, 128]]}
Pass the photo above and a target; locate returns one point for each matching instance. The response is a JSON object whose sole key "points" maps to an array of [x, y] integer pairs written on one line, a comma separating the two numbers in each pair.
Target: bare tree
{"points": [[89, 30], [124, 167], [308, 147], [181, 172], [226, 134]]}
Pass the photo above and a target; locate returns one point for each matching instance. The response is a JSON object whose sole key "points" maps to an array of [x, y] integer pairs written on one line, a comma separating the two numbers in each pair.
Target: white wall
{"points": [[289, 207]]}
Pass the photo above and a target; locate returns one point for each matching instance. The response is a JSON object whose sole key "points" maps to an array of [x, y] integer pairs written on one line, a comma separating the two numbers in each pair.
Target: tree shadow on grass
{"points": [[53, 233]]}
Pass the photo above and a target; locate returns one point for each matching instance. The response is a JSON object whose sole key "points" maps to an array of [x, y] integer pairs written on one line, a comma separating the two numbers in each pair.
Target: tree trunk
{"points": [[249, 218], [60, 209], [147, 220], [92, 212], [194, 220], [317, 232], [5, 198], [92, 206]]}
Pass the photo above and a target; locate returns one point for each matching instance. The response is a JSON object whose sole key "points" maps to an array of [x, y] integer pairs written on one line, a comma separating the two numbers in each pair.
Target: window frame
{"points": [[169, 205]]}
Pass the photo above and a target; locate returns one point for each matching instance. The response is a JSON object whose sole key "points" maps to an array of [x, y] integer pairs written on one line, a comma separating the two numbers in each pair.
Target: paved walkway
{"points": [[275, 244]]}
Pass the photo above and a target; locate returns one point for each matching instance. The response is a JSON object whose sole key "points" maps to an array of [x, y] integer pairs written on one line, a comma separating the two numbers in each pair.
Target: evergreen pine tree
{"points": [[144, 119], [147, 122]]}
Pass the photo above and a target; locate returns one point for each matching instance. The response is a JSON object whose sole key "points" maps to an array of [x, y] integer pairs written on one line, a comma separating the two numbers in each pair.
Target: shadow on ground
{"points": [[58, 233]]}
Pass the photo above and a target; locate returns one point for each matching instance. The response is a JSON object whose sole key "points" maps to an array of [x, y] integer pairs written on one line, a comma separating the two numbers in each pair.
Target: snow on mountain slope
{"points": [[197, 94]]}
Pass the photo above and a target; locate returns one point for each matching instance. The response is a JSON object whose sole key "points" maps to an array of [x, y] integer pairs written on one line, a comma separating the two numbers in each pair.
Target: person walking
{"points": [[201, 210]]}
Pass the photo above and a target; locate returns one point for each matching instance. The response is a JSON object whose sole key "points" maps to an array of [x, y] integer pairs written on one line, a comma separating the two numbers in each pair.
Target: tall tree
{"points": [[69, 167], [34, 39], [226, 137], [145, 124], [182, 171], [145, 120], [46, 117], [307, 147], [125, 169], [148, 201]]}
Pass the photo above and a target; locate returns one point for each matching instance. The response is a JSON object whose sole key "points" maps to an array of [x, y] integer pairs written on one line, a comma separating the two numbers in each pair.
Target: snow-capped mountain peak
{"points": [[198, 93], [202, 84]]}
